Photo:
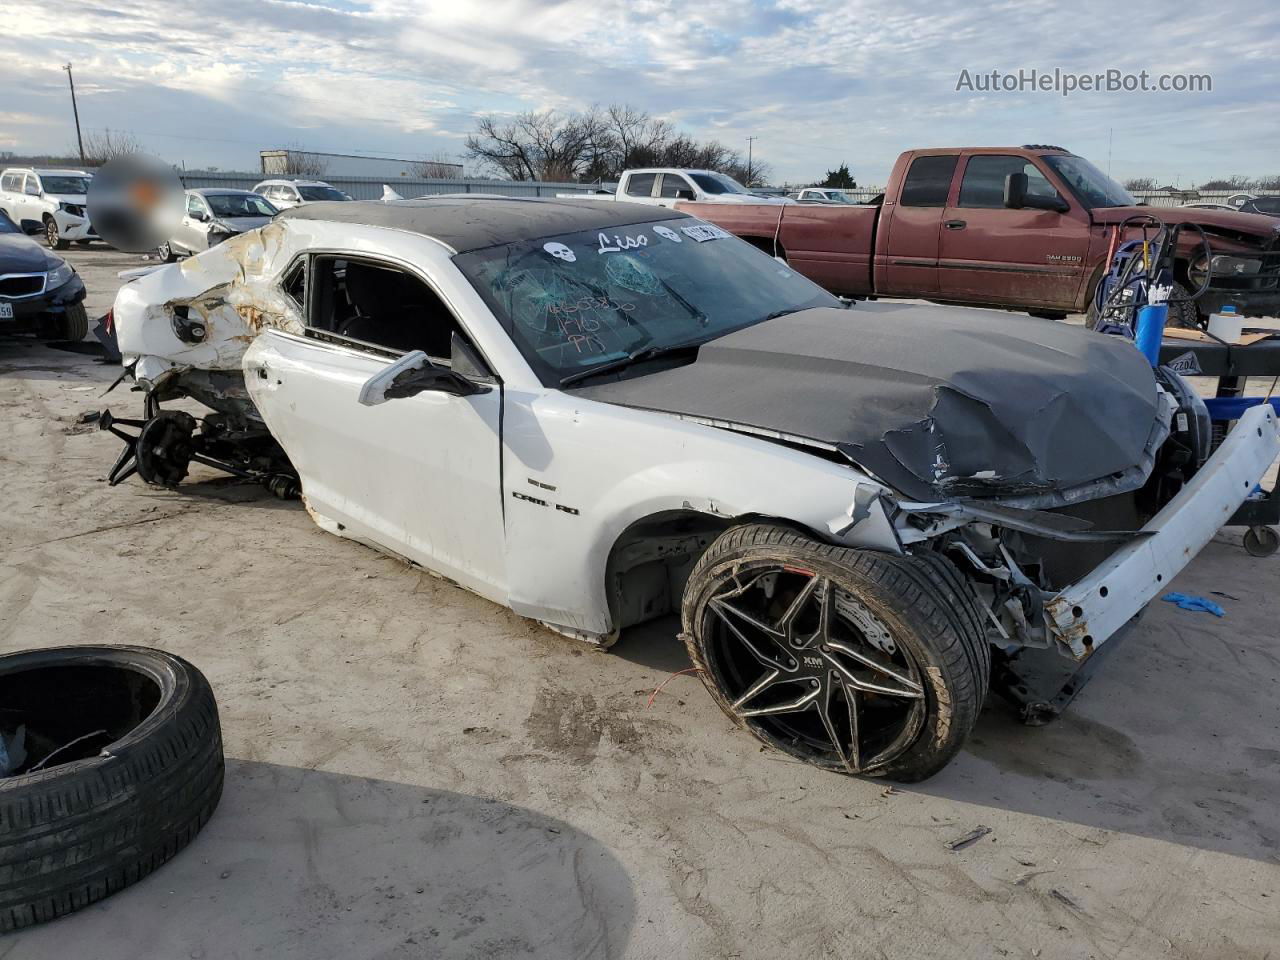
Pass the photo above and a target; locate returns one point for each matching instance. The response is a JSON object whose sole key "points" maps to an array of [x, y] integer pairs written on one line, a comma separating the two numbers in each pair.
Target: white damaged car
{"points": [[598, 414]]}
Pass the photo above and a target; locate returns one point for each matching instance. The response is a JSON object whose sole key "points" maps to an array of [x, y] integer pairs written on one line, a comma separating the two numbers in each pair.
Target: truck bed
{"points": [[831, 245]]}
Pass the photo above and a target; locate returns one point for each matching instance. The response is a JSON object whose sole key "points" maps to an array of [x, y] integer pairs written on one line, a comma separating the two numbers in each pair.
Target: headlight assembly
{"points": [[58, 275]]}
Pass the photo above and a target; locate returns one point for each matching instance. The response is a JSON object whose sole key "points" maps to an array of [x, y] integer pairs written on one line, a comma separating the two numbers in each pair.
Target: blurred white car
{"points": [[284, 194], [212, 216]]}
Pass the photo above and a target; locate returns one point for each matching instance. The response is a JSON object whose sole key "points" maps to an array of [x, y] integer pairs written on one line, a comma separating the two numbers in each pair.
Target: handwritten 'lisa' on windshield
{"points": [[622, 243]]}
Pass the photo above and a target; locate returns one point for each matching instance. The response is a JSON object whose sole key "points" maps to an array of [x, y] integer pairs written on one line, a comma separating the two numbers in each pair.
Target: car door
{"points": [[992, 254], [418, 476], [29, 201], [907, 254], [192, 233]]}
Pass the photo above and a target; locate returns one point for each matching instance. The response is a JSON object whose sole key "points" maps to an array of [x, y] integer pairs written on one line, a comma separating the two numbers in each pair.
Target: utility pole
{"points": [[75, 110], [750, 171]]}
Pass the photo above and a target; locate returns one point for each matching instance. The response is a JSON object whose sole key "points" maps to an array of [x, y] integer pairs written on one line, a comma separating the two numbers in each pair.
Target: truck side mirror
{"points": [[1017, 198], [685, 193], [1015, 191]]}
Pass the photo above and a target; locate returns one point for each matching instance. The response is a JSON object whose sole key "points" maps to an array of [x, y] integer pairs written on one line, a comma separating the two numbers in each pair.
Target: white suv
{"points": [[51, 200], [291, 193]]}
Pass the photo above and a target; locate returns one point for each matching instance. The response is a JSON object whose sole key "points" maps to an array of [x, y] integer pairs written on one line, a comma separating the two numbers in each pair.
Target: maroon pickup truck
{"points": [[1024, 228]]}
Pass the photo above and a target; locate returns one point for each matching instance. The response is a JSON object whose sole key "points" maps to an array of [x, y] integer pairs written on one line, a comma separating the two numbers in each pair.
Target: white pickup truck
{"points": [[663, 186]]}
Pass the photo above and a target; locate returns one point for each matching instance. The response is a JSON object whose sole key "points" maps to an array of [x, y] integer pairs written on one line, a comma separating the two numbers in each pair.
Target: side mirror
{"points": [[200, 215], [412, 374], [686, 194], [32, 228], [1017, 198]]}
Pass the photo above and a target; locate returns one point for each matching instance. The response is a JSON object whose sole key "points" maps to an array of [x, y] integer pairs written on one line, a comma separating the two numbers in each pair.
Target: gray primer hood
{"points": [[937, 402]]}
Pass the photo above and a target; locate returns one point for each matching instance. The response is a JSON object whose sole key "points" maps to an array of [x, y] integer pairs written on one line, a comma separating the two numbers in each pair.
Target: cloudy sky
{"points": [[818, 83]]}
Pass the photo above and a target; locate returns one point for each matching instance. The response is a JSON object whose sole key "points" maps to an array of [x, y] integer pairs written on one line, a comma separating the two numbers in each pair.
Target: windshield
{"points": [[1091, 186], [717, 183], [582, 300], [1265, 205], [239, 205], [64, 184], [7, 225], [322, 193]]}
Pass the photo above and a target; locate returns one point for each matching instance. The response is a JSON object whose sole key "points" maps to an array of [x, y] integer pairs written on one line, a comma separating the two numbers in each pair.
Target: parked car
{"points": [[211, 217], [54, 200], [1023, 228], [824, 195], [39, 292], [663, 186], [622, 412], [284, 194], [1269, 206]]}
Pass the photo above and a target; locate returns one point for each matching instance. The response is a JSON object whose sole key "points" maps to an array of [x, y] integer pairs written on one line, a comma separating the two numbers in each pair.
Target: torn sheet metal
{"points": [[938, 403]]}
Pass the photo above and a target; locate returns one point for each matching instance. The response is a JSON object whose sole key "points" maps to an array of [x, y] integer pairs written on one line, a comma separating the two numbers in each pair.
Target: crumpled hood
{"points": [[241, 224], [937, 402]]}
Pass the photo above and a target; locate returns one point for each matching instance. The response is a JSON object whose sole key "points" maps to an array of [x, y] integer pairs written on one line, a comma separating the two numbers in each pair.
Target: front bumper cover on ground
{"points": [[1085, 614]]}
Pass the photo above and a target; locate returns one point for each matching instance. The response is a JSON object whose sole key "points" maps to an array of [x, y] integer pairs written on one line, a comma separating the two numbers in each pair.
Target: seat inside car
{"points": [[392, 309]]}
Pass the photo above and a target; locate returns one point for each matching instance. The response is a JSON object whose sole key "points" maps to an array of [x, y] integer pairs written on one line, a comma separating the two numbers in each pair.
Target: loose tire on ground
{"points": [[104, 812], [932, 657]]}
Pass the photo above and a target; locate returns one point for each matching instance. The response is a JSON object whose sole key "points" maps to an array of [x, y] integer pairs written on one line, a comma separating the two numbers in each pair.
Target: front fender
{"points": [[578, 473]]}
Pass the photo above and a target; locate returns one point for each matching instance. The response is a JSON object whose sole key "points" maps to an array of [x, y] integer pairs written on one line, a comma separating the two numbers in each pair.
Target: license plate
{"points": [[6, 311]]}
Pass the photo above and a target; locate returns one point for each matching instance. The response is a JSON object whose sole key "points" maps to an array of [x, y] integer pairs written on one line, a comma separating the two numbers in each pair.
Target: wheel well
{"points": [[651, 560], [46, 217], [768, 245]]}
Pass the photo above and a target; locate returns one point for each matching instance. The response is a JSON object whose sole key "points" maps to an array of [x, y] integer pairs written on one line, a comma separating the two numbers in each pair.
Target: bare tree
{"points": [[1238, 182], [304, 163], [1269, 184], [437, 167], [1140, 183], [107, 144], [597, 144]]}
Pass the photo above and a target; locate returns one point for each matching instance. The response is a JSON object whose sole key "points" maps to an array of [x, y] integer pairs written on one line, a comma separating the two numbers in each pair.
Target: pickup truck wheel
{"points": [[52, 236], [165, 253], [854, 661], [114, 762]]}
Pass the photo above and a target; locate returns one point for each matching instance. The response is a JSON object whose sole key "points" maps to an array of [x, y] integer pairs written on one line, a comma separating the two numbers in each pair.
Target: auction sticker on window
{"points": [[704, 231]]}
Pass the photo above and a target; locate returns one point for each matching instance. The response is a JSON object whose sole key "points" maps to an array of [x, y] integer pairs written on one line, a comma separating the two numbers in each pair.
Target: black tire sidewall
{"points": [[941, 734], [76, 832]]}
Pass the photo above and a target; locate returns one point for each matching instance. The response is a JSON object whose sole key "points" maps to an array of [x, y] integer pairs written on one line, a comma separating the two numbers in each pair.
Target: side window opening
{"points": [[983, 182], [929, 181], [294, 284], [673, 183], [380, 305], [640, 184]]}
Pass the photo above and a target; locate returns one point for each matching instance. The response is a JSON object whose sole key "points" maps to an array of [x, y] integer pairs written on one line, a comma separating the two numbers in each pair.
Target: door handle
{"points": [[955, 224]]}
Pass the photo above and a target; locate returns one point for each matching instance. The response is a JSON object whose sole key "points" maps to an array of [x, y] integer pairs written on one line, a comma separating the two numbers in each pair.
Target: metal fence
{"points": [[370, 188]]}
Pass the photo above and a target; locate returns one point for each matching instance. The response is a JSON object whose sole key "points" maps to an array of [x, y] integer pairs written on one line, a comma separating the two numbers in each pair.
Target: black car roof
{"points": [[473, 223]]}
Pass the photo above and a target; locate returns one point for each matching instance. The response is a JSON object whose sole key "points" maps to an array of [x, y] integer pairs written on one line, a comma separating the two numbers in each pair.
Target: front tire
{"points": [[52, 236], [165, 253], [855, 661]]}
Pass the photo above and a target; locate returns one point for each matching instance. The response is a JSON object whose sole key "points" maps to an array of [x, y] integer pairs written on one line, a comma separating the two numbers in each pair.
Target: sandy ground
{"points": [[414, 772]]}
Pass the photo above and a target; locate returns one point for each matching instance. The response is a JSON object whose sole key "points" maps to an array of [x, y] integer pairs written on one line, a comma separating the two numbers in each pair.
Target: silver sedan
{"points": [[212, 216]]}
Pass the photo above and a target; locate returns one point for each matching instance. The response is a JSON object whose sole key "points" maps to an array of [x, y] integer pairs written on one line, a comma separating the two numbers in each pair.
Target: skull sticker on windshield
{"points": [[667, 233], [560, 251], [630, 274]]}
